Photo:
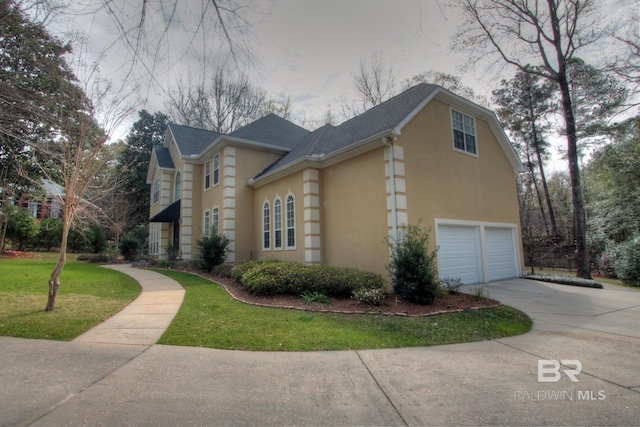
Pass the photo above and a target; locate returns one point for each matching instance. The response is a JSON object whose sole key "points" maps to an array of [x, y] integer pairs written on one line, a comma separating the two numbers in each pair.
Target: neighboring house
{"points": [[332, 195], [49, 205]]}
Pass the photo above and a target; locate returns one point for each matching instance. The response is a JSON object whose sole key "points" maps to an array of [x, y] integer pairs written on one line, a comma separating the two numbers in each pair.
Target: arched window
{"points": [[177, 189], [266, 226], [291, 222], [277, 224]]}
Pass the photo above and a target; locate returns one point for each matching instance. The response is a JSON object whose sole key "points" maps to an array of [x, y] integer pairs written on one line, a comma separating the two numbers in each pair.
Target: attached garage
{"points": [[477, 252]]}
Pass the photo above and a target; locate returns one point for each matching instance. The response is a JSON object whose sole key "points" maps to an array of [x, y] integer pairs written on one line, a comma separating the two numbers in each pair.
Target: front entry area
{"points": [[477, 252]]}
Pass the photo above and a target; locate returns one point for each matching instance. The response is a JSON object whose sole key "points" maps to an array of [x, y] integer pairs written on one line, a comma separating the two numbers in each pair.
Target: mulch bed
{"points": [[393, 305]]}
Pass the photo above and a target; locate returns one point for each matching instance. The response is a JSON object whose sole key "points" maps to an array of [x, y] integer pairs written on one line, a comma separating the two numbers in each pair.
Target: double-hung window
{"points": [[266, 226], [207, 223], [156, 191], [216, 169], [207, 175], [291, 222], [277, 223], [464, 132], [214, 220]]}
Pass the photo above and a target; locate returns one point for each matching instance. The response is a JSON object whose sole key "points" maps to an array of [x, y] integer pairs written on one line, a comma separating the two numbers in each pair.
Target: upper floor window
{"points": [[156, 191], [177, 190], [291, 222], [216, 169], [464, 132], [207, 175], [266, 223], [277, 223]]}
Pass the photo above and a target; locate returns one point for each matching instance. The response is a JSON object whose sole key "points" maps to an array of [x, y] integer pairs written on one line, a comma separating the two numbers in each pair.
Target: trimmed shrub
{"points": [[369, 296], [627, 263], [413, 267], [212, 251], [239, 270], [129, 246], [276, 278]]}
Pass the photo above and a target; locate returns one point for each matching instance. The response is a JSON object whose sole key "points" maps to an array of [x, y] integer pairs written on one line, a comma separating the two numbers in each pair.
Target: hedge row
{"points": [[277, 278]]}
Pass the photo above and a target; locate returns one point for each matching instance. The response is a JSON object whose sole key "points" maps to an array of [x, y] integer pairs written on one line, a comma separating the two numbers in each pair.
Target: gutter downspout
{"points": [[392, 183]]}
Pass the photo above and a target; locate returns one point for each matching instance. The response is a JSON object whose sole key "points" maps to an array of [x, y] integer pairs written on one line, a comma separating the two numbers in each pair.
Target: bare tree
{"points": [[221, 105], [627, 64], [374, 83], [550, 32], [447, 81]]}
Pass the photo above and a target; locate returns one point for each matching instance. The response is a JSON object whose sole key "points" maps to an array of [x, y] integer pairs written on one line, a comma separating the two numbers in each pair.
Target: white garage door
{"points": [[500, 253], [459, 253]]}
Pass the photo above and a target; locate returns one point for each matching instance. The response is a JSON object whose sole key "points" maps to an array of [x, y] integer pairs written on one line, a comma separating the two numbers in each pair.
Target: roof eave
{"points": [[224, 140]]}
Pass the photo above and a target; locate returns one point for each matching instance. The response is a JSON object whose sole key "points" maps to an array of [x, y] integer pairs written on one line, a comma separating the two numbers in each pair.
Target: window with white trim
{"points": [[216, 169], [177, 187], [277, 224], [156, 191], [215, 217], [153, 238], [266, 224], [207, 175], [207, 223], [464, 132], [291, 222]]}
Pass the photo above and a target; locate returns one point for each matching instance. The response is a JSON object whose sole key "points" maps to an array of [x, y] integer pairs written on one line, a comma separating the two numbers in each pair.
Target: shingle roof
{"points": [[329, 139], [273, 130], [164, 157], [192, 140]]}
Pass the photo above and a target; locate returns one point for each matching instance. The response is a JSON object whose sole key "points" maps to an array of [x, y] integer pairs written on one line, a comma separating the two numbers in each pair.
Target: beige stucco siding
{"points": [[292, 184], [444, 183], [354, 213]]}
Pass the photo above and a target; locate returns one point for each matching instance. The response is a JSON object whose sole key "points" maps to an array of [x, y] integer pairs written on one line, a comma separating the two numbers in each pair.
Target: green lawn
{"points": [[210, 318], [88, 295]]}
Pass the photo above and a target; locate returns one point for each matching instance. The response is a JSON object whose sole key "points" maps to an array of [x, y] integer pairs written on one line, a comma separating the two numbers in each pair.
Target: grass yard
{"points": [[210, 318], [88, 295]]}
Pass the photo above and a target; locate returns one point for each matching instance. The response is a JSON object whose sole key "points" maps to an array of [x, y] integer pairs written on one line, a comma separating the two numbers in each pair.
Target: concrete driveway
{"points": [[486, 383]]}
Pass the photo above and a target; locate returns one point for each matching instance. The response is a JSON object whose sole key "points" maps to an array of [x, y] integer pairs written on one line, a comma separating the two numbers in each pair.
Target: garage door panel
{"points": [[458, 253], [499, 249]]}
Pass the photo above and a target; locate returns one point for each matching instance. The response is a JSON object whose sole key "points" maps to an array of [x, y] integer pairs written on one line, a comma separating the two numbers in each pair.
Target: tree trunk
{"points": [[579, 216], [54, 281], [535, 185]]}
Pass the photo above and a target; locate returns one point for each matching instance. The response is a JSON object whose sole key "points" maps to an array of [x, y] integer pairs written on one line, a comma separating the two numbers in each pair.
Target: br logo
{"points": [[549, 370]]}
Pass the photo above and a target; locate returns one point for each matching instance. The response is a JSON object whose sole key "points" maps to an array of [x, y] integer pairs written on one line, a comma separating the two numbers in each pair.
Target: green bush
{"points": [[627, 263], [22, 229], [96, 239], [222, 270], [212, 251], [50, 234], [413, 267], [239, 270], [130, 247], [369, 296], [276, 278]]}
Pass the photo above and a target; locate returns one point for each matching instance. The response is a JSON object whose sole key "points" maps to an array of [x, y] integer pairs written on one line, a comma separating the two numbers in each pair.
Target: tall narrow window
{"points": [[291, 222], [153, 238], [464, 132], [214, 220], [177, 189], [207, 175], [216, 169], [277, 224], [266, 223], [207, 223], [156, 191]]}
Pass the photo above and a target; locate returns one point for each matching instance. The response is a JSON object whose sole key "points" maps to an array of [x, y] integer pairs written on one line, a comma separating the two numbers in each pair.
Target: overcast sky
{"points": [[306, 49]]}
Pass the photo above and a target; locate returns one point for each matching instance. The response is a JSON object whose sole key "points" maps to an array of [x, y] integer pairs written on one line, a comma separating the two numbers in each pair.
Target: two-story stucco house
{"points": [[331, 196]]}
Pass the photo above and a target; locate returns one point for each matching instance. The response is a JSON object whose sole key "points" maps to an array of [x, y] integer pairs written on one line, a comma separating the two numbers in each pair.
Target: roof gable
{"points": [[272, 130], [192, 141], [386, 119]]}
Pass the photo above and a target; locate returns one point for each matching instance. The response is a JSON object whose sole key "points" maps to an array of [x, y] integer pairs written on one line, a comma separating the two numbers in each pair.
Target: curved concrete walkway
{"points": [[144, 320]]}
